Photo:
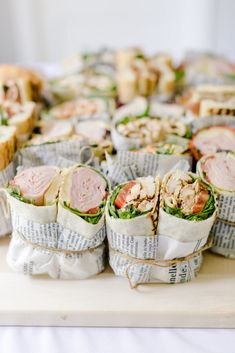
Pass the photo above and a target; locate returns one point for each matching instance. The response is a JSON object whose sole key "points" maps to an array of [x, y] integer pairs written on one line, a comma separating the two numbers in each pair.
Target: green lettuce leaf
{"points": [[16, 194], [90, 218]]}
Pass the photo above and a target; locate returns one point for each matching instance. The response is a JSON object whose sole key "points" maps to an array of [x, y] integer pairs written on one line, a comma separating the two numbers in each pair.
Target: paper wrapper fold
{"points": [[223, 230], [128, 165], [182, 229], [62, 154], [47, 242]]}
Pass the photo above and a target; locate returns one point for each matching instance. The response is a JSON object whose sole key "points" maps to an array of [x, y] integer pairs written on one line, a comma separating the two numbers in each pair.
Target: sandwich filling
{"points": [[84, 193], [219, 170], [134, 198], [213, 139], [186, 196], [148, 130], [31, 184]]}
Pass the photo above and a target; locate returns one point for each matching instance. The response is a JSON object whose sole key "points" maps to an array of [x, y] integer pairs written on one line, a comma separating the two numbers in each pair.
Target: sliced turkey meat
{"points": [[213, 139], [88, 190], [53, 131], [33, 183], [96, 131], [219, 170]]}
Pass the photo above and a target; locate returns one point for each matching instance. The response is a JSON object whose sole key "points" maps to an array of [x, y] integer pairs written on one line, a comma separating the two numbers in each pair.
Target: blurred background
{"points": [[49, 30]]}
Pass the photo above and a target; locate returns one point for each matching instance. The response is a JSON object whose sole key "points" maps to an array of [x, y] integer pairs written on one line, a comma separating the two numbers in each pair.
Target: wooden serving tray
{"points": [[106, 300]]}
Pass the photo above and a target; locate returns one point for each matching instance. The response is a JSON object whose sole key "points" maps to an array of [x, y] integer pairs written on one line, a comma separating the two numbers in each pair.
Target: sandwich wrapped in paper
{"points": [[97, 133], [146, 249], [52, 149], [32, 196], [212, 139], [51, 131], [81, 62], [80, 217], [19, 84], [135, 76], [218, 171], [187, 208], [82, 84], [138, 74], [82, 108], [153, 160], [136, 125], [208, 100], [136, 131], [162, 64], [7, 171], [58, 233], [22, 116], [200, 68]]}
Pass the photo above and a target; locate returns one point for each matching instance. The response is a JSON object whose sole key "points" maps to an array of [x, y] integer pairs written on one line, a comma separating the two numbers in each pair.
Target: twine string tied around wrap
{"points": [[159, 263]]}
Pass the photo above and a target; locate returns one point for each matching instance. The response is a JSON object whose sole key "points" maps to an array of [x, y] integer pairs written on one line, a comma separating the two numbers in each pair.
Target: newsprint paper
{"points": [[223, 230], [42, 245], [128, 165]]}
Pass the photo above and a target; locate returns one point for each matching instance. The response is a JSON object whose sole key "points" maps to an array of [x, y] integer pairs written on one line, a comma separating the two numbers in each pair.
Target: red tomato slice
{"points": [[93, 210], [201, 201], [121, 198]]}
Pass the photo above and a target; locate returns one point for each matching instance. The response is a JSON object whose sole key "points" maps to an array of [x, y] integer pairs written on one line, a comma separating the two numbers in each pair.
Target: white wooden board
{"points": [[106, 300]]}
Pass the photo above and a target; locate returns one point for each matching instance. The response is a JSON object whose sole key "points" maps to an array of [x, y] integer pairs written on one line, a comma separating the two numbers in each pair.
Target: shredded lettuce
{"points": [[90, 218], [179, 75], [16, 194], [164, 150], [3, 117], [188, 134]]}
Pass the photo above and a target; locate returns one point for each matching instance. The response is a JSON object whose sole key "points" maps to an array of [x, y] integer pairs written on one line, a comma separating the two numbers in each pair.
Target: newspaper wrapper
{"points": [[223, 230], [128, 165], [214, 120], [46, 240], [5, 221], [136, 244], [138, 239], [147, 271], [121, 142], [63, 154]]}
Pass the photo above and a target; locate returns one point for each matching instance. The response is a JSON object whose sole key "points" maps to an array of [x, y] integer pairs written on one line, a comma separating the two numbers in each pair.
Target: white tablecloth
{"points": [[115, 340]]}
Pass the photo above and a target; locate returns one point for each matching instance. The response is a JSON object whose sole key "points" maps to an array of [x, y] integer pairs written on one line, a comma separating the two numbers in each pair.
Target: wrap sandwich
{"points": [[218, 171]]}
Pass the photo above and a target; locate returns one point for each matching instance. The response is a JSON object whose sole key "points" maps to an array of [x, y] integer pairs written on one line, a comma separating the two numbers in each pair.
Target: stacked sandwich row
{"points": [[157, 229], [159, 215]]}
